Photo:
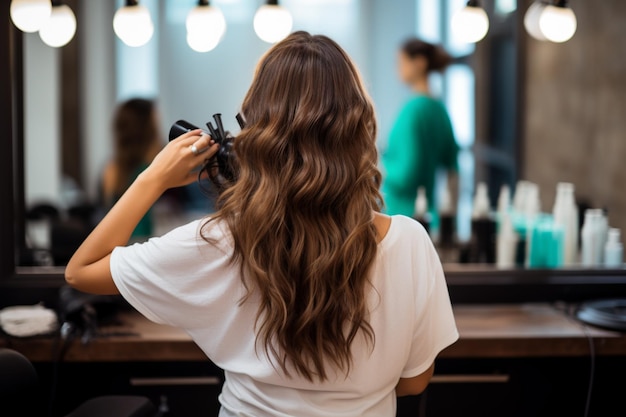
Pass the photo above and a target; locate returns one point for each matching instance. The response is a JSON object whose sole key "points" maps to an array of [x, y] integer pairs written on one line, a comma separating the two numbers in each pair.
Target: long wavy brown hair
{"points": [[301, 209]]}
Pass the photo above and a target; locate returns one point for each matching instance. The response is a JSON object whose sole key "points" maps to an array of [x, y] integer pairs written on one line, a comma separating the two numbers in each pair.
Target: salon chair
{"points": [[21, 395]]}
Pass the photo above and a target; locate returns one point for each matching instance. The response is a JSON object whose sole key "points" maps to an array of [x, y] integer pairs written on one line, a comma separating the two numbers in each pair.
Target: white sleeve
{"points": [[165, 277], [435, 327]]}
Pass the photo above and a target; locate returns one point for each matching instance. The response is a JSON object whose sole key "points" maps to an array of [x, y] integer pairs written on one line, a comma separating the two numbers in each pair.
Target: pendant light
{"points": [[554, 22], [272, 22], [60, 27], [531, 20], [205, 27], [471, 23], [558, 22], [30, 15], [133, 24]]}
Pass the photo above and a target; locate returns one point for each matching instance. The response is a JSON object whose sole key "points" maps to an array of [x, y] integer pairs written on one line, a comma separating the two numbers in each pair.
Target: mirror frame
{"points": [[12, 238]]}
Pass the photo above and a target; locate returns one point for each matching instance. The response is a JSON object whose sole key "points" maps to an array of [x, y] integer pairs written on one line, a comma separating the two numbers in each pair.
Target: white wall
{"points": [[388, 24], [98, 90], [42, 157]]}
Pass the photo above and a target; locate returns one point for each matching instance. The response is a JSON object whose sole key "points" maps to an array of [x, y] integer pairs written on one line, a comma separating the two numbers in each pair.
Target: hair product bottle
{"points": [[447, 223], [504, 199], [532, 211], [565, 212], [506, 244], [483, 243], [614, 249], [593, 237], [421, 209]]}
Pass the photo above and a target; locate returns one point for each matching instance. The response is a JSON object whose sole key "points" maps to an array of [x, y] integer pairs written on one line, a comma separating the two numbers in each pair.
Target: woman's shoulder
{"points": [[403, 229], [424, 101], [212, 232]]}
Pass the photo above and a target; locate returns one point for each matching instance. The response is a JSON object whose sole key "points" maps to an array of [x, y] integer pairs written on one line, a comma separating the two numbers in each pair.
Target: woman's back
{"points": [[182, 281], [289, 286]]}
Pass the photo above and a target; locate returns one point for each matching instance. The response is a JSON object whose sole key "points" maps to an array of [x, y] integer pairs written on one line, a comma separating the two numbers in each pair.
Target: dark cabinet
{"points": [[521, 387]]}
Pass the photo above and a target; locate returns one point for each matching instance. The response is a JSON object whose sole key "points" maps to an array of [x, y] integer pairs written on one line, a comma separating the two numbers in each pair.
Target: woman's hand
{"points": [[89, 269], [175, 165]]}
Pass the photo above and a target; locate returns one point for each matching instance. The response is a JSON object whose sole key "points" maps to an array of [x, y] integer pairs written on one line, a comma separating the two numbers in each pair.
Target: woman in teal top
{"points": [[421, 141], [136, 142]]}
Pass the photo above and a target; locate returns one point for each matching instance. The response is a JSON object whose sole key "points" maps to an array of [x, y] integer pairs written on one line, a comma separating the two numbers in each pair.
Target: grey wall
{"points": [[42, 121], [575, 118]]}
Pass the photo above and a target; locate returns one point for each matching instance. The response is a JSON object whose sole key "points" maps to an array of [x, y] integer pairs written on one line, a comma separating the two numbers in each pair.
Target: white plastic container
{"points": [[565, 212], [421, 203], [481, 208], [602, 234], [614, 249], [504, 199], [520, 196], [593, 238], [506, 245], [532, 209]]}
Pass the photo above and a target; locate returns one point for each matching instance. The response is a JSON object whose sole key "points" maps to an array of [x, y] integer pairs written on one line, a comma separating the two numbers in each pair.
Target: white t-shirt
{"points": [[181, 280]]}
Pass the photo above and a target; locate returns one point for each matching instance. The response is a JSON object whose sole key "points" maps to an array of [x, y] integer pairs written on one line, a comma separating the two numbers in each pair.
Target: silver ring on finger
{"points": [[194, 150]]}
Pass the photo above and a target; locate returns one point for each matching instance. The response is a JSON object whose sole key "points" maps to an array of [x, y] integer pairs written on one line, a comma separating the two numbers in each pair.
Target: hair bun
{"points": [[438, 58]]}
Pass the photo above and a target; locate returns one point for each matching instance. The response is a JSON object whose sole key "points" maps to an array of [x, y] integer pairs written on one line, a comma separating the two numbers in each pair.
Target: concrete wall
{"points": [[575, 118]]}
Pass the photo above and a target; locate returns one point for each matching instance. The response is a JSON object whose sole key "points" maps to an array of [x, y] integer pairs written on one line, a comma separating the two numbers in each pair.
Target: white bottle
{"points": [[613, 250], [590, 238], [506, 245], [565, 212], [520, 196], [532, 202], [445, 201], [602, 236], [504, 199], [421, 203], [532, 209], [482, 207]]}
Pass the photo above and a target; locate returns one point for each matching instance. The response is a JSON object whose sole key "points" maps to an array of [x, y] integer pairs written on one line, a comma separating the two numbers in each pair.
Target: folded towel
{"points": [[27, 321]]}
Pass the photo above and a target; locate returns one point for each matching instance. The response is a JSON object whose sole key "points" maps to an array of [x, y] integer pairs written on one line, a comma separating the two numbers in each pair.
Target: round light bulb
{"points": [[558, 24], [200, 43], [205, 28], [133, 25], [470, 24], [531, 20], [272, 23], [60, 27], [30, 15]]}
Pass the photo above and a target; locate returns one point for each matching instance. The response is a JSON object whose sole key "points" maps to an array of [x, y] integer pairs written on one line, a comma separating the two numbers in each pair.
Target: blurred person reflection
{"points": [[421, 141], [136, 142]]}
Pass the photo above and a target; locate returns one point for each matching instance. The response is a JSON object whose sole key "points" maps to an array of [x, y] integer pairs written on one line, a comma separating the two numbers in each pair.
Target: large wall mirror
{"points": [[517, 104], [71, 96]]}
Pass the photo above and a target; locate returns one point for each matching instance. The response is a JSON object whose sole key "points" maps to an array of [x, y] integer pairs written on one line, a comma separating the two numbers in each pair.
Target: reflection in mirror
{"points": [[185, 84]]}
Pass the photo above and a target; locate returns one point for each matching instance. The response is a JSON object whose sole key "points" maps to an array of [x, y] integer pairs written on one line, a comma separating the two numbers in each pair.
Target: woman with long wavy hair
{"points": [[310, 300]]}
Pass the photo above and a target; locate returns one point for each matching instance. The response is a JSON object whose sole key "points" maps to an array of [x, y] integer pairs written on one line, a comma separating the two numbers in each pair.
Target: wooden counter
{"points": [[486, 331]]}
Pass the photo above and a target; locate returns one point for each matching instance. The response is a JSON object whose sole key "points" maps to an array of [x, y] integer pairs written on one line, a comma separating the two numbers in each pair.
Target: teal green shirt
{"points": [[420, 143], [145, 227]]}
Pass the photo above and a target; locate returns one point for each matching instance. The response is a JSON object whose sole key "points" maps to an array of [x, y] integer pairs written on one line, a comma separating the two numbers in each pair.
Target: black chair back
{"points": [[19, 384]]}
